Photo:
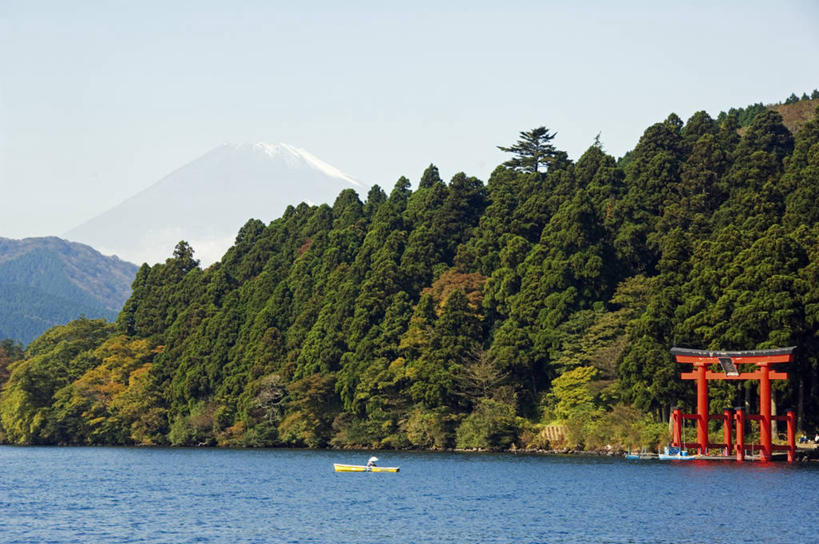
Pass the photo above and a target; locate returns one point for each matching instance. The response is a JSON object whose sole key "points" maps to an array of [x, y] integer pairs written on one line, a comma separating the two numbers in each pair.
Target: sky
{"points": [[99, 100]]}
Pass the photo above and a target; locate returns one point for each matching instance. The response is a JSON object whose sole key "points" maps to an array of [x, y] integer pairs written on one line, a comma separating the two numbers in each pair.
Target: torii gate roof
{"points": [[751, 353]]}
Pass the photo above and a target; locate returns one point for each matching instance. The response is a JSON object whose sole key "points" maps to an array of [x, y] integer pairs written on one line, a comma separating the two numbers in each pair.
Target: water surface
{"points": [[246, 496]]}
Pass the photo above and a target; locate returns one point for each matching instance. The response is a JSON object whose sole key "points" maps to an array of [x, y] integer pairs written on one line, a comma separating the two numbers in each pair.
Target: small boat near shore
{"points": [[676, 454], [641, 455], [363, 468]]}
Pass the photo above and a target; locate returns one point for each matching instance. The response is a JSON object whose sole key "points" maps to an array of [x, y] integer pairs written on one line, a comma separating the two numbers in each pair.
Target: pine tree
{"points": [[532, 150]]}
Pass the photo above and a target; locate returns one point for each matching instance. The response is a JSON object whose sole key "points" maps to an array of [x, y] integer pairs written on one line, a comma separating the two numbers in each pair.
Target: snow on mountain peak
{"points": [[294, 157]]}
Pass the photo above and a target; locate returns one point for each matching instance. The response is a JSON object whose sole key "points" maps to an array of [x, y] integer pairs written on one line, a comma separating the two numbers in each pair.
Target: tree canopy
{"points": [[532, 150]]}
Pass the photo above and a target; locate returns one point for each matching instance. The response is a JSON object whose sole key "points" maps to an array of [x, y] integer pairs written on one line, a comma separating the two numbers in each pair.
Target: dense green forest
{"points": [[461, 314]]}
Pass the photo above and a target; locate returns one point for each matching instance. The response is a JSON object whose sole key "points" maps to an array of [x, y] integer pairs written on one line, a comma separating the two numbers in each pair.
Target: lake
{"points": [[242, 496]]}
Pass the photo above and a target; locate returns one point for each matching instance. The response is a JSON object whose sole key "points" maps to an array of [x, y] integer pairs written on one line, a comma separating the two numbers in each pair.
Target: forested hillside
{"points": [[49, 281], [462, 314]]}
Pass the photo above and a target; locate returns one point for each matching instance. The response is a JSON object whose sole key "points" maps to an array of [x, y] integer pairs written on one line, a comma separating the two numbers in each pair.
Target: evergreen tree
{"points": [[532, 150], [454, 337], [651, 175], [430, 177]]}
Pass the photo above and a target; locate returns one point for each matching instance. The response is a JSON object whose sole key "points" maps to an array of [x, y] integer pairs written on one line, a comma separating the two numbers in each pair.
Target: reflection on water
{"points": [[186, 495]]}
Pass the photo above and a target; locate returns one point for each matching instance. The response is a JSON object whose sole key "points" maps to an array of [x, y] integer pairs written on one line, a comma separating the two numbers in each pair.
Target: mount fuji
{"points": [[207, 201]]}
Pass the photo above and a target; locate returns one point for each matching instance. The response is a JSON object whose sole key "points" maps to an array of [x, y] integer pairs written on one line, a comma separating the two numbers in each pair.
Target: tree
{"points": [[492, 424], [652, 175], [479, 377], [430, 177], [183, 257], [10, 351], [531, 150], [452, 340], [311, 408], [571, 393]]}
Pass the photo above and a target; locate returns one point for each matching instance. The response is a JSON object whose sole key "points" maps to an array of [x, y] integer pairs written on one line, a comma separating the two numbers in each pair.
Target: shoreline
{"points": [[803, 455]]}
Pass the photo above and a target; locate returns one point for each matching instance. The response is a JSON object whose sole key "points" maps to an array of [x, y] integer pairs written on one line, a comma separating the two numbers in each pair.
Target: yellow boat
{"points": [[363, 468]]}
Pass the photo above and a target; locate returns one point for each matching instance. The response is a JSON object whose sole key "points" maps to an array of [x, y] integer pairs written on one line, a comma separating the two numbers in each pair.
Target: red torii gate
{"points": [[702, 359]]}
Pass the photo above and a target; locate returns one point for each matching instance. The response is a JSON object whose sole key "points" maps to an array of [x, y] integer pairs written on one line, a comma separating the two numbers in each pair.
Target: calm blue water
{"points": [[206, 495]]}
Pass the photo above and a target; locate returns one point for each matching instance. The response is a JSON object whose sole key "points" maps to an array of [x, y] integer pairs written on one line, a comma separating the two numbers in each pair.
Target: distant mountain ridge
{"points": [[50, 281], [206, 201]]}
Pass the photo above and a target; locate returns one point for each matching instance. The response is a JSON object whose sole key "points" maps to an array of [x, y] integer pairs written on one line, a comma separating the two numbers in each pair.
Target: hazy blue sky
{"points": [[99, 100]]}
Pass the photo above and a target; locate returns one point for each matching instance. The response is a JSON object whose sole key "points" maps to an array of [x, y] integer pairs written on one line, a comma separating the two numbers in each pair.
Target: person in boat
{"points": [[371, 462]]}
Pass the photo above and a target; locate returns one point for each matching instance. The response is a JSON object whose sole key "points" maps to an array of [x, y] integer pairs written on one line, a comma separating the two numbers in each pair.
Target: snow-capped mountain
{"points": [[207, 201]]}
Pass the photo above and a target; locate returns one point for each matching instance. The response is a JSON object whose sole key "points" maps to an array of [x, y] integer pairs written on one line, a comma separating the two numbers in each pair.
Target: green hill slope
{"points": [[48, 281]]}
